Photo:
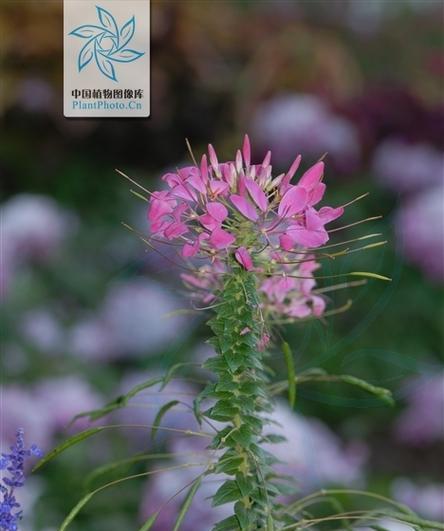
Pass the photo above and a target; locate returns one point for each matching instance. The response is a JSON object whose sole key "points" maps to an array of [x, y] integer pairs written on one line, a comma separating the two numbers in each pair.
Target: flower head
{"points": [[237, 212], [14, 464]]}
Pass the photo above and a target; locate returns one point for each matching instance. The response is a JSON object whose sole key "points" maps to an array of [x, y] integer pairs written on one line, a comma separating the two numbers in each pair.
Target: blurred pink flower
{"points": [[312, 454], [136, 318], [405, 167], [200, 517], [143, 408], [42, 331], [35, 95], [303, 122], [19, 408], [420, 229], [64, 398], [426, 499], [422, 422], [34, 226]]}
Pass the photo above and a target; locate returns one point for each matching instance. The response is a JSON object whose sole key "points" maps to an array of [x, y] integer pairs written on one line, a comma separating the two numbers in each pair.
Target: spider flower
{"points": [[14, 464], [237, 211]]}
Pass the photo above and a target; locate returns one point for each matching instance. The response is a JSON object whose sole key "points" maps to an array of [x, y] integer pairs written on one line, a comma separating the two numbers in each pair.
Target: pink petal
{"points": [[285, 180], [244, 207], [217, 210], [328, 214], [313, 220], [316, 194], [246, 151], [158, 208], [189, 249], [308, 238], [299, 309], [220, 239], [204, 168], [213, 158], [294, 201], [257, 194], [312, 176], [184, 192], [175, 230], [244, 258], [218, 187], [267, 159], [286, 242], [208, 222], [171, 179], [294, 166], [196, 182], [318, 304]]}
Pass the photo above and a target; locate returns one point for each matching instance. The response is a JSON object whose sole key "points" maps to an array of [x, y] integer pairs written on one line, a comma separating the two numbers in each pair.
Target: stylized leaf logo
{"points": [[127, 32], [107, 43], [86, 54]]}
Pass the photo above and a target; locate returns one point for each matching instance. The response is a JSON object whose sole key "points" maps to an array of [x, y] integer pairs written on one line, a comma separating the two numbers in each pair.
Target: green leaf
{"points": [[71, 441], [229, 524], [290, 373], [75, 510], [187, 502], [160, 414], [228, 492], [109, 467], [369, 275], [150, 522], [172, 371], [119, 402]]}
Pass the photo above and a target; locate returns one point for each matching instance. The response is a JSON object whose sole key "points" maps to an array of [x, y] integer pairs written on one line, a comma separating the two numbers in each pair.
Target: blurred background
{"points": [[88, 310]]}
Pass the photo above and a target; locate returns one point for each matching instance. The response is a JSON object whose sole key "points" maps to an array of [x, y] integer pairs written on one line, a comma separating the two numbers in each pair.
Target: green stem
{"points": [[240, 401]]}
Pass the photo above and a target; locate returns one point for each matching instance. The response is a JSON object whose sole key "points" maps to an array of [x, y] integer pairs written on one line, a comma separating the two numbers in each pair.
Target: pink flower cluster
{"points": [[238, 212]]}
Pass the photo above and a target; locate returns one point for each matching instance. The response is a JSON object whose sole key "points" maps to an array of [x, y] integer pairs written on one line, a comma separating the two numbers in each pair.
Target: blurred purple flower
{"points": [[42, 331], [420, 229], [33, 226], [312, 454], [136, 318], [64, 398], [90, 339], [422, 422], [200, 517], [136, 314], [143, 408], [302, 123], [19, 407], [427, 500], [35, 95], [404, 167]]}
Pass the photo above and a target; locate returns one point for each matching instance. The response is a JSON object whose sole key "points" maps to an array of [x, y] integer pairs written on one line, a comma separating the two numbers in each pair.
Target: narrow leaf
{"points": [[290, 373], [71, 441], [369, 275], [187, 503], [150, 522], [160, 414], [75, 511]]}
